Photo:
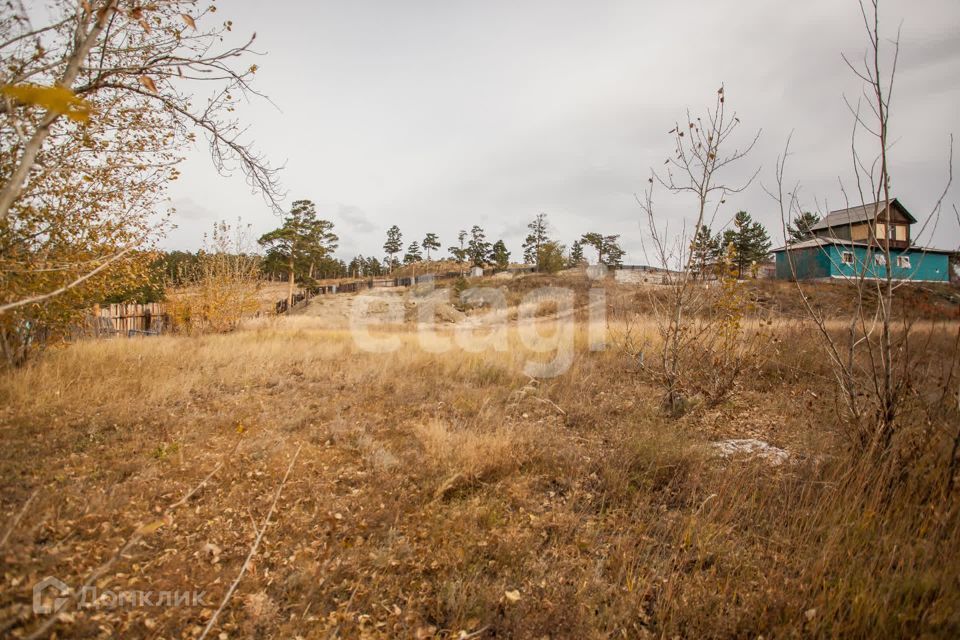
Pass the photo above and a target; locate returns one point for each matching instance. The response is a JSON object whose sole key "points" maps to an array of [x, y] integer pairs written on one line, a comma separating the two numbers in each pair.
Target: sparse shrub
{"points": [[220, 287], [700, 158], [472, 454]]}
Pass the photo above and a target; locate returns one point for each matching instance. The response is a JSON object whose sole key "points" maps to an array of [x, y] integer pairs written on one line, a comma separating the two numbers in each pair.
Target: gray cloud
{"points": [[438, 116], [188, 209], [355, 219]]}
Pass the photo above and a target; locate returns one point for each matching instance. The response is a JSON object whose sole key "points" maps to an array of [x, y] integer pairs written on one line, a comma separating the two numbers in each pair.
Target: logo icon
{"points": [[42, 606]]}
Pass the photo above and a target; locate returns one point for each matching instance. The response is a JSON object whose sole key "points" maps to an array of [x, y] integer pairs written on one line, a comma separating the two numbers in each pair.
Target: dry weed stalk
{"points": [[18, 517], [253, 548]]}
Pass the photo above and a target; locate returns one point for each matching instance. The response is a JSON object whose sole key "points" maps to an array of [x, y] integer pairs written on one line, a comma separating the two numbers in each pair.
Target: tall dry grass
{"points": [[431, 485]]}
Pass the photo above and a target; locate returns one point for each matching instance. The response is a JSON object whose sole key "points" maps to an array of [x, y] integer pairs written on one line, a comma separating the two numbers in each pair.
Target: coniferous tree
{"points": [[607, 248], [535, 239], [459, 253], [576, 254], [750, 242], [413, 253], [478, 249], [299, 244], [705, 250], [500, 255], [595, 240], [612, 250], [393, 245], [799, 227], [373, 267], [356, 267], [430, 243]]}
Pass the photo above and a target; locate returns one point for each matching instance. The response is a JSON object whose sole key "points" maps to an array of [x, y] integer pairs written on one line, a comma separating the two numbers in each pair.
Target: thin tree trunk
{"points": [[290, 285], [11, 190]]}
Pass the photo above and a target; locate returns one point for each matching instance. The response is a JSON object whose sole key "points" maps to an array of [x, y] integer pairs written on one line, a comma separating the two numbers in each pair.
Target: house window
{"points": [[846, 257], [880, 259], [903, 262]]}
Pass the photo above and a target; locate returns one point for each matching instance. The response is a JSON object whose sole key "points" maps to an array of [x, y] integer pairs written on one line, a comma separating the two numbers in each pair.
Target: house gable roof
{"points": [[863, 213]]}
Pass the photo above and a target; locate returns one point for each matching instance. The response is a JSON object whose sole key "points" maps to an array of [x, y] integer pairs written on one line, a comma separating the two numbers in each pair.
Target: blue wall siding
{"points": [[923, 266], [825, 262], [808, 263]]}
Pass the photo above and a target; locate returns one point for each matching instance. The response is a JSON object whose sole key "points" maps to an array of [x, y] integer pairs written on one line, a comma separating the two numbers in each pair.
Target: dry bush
{"points": [[471, 454], [220, 288], [701, 363], [704, 150]]}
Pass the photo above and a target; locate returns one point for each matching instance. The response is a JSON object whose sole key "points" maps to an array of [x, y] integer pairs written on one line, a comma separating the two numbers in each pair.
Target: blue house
{"points": [[850, 242]]}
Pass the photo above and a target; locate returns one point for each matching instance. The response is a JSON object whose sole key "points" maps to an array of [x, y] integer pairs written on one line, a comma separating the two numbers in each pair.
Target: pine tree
{"points": [[478, 249], [413, 253], [750, 242], [500, 255], [459, 253], [299, 244], [607, 248], [430, 243], [373, 267], [393, 245], [594, 240], [705, 250], [799, 227], [611, 249], [535, 239], [576, 255], [356, 267]]}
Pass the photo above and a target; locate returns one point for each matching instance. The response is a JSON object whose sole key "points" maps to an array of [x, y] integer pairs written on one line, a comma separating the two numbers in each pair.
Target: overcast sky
{"points": [[439, 115]]}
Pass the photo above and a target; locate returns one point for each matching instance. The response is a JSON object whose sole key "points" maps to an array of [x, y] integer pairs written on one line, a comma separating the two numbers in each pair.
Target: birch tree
{"points": [[98, 104]]}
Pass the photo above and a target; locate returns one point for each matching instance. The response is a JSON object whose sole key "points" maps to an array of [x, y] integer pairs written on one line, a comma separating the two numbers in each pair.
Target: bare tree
{"points": [[873, 358], [700, 158]]}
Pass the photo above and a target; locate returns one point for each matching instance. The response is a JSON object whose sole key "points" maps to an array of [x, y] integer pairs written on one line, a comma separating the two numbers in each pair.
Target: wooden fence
{"points": [[128, 319]]}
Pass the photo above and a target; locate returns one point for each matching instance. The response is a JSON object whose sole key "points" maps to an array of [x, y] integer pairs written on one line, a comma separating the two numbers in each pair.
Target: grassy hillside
{"points": [[449, 494]]}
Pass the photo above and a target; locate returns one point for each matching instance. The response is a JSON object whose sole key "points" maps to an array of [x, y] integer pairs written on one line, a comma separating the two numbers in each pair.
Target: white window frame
{"points": [[904, 262], [846, 257], [879, 259]]}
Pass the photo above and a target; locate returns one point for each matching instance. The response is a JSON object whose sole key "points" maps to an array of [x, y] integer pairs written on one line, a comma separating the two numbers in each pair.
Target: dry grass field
{"points": [[450, 495]]}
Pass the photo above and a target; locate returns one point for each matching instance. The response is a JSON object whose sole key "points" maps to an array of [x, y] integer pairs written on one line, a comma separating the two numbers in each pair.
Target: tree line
{"points": [[474, 249], [301, 251]]}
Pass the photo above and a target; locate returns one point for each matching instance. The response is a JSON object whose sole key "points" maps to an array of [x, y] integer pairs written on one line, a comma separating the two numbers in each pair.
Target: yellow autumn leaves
{"points": [[58, 100], [65, 102]]}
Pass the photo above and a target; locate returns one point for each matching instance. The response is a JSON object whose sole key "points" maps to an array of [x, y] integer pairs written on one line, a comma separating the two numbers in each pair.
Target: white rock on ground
{"points": [[752, 448]]}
